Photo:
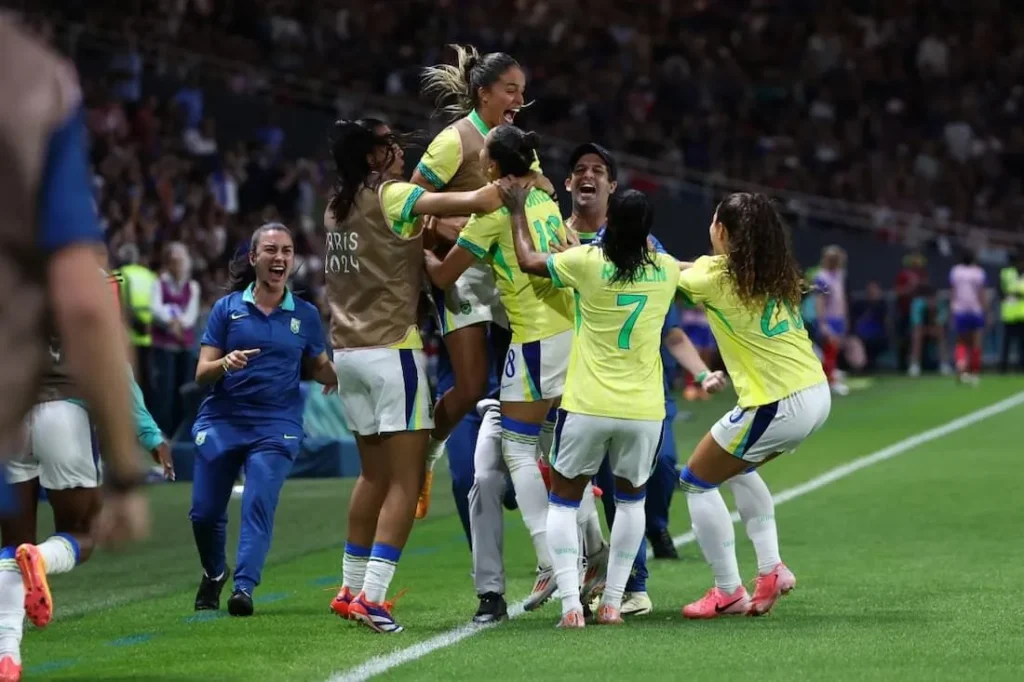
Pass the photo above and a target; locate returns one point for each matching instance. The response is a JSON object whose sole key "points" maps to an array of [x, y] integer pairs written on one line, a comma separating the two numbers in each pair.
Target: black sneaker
{"points": [[240, 603], [208, 594], [492, 609], [662, 545]]}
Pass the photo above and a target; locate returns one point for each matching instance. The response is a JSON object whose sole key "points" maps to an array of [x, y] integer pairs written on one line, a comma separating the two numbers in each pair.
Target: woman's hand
{"points": [[161, 454], [513, 194], [714, 382], [238, 359]]}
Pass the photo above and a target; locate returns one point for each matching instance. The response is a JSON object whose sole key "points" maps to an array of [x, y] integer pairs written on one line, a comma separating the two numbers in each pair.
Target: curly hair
{"points": [[760, 259]]}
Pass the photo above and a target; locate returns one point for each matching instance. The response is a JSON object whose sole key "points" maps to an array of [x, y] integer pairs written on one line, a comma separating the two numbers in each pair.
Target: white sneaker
{"points": [[914, 371], [839, 388], [636, 604], [945, 369]]}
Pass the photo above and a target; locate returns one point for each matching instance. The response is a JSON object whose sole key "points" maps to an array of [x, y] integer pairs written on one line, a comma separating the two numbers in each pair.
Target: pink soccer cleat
{"points": [[340, 603], [608, 615], [10, 669], [716, 602], [572, 621], [777, 582]]}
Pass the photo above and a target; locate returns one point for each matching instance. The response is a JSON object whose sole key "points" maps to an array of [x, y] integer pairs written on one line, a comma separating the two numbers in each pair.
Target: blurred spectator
{"points": [[137, 296], [870, 317], [175, 314], [929, 322]]}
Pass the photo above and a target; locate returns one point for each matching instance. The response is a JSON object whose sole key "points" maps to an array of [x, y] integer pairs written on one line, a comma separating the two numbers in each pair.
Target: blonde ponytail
{"points": [[450, 85]]}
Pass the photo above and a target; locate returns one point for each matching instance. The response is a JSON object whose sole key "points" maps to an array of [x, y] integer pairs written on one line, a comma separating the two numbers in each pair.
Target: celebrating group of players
{"points": [[579, 385]]}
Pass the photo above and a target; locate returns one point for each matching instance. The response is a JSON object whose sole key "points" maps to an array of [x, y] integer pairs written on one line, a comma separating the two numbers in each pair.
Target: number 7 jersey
{"points": [[615, 367], [536, 309], [767, 351]]}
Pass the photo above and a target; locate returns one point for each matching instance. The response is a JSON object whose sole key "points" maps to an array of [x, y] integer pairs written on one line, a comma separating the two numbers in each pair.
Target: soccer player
{"points": [[969, 305], [614, 401], [533, 373], [374, 270], [258, 341], [479, 93], [833, 311], [48, 230], [751, 289]]}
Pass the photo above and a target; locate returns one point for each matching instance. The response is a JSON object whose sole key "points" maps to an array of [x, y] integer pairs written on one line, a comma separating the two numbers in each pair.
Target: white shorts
{"points": [[581, 442], [384, 390], [473, 299], [59, 448], [536, 370], [755, 433]]}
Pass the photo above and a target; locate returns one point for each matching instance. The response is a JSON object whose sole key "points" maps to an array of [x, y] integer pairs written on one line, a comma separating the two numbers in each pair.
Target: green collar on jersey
{"points": [[287, 304], [478, 122]]}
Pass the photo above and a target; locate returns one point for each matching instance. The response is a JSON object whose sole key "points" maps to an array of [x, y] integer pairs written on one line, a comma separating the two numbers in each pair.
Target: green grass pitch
{"points": [[907, 569]]}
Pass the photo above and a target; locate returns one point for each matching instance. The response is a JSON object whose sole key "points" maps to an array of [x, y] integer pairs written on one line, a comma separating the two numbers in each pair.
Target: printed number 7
{"points": [[638, 300]]}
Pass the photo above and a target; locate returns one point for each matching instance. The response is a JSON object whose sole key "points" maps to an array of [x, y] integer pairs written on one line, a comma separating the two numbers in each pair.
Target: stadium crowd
{"points": [[826, 98], [767, 98]]}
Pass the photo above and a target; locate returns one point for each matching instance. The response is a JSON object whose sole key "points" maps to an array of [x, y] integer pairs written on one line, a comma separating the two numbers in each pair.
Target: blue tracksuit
{"points": [[462, 442], [252, 418], [663, 479]]}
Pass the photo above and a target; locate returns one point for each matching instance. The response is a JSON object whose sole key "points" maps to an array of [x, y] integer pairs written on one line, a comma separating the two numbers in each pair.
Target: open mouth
{"points": [[510, 115], [277, 271], [588, 189]]}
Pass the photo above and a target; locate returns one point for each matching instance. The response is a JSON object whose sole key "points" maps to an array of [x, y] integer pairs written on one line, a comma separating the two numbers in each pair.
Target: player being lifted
{"points": [[751, 289], [540, 316], [480, 92], [614, 400]]}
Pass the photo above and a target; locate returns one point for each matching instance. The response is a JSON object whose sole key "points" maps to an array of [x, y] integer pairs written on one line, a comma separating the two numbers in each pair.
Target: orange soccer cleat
{"points": [[38, 601], [423, 504]]}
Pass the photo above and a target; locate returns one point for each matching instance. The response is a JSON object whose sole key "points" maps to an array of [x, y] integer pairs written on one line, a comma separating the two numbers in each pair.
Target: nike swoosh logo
{"points": [[720, 609], [235, 316], [736, 418], [287, 437]]}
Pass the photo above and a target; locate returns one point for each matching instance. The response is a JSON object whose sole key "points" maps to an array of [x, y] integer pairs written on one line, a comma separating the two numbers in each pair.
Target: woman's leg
{"points": [[364, 509], [211, 491], [521, 425], [266, 467]]}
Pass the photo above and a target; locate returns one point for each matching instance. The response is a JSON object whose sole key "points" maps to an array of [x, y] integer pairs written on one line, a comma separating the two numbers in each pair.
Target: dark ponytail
{"points": [[513, 150], [630, 217], [351, 144], [241, 273]]}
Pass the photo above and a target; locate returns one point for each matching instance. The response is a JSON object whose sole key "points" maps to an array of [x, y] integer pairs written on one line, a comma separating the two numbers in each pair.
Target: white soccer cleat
{"points": [[543, 588], [636, 604], [594, 576]]}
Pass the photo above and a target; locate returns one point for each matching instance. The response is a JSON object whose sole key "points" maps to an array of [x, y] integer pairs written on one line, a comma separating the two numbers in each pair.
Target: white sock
{"points": [[353, 567], [590, 523], [435, 449], [380, 569], [564, 546], [757, 511], [627, 534], [60, 554], [12, 607], [716, 537], [519, 451]]}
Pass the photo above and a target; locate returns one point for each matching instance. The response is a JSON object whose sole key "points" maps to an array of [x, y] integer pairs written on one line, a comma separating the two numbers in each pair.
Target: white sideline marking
{"points": [[381, 664]]}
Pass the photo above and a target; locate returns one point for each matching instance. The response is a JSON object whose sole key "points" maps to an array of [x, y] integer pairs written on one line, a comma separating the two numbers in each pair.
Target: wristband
{"points": [[701, 377]]}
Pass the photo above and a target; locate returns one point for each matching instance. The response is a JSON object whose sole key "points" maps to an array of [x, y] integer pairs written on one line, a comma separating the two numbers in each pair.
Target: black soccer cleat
{"points": [[208, 594], [240, 603], [662, 545], [492, 609]]}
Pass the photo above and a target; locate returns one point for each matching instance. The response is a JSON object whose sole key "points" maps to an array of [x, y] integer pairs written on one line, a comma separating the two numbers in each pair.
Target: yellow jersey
{"points": [[615, 366], [767, 351], [536, 308]]}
